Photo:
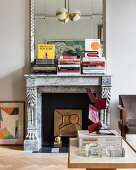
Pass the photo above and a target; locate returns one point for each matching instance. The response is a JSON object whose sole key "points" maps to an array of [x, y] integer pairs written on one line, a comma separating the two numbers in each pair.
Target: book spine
{"points": [[69, 61], [94, 64], [46, 70], [86, 59], [44, 61], [93, 68], [69, 71], [44, 67], [72, 66], [93, 71], [68, 68], [49, 71], [67, 57]]}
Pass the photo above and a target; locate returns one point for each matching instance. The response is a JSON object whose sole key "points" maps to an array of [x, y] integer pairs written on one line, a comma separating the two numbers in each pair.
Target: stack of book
{"points": [[94, 65], [93, 62], [46, 66], [69, 64]]}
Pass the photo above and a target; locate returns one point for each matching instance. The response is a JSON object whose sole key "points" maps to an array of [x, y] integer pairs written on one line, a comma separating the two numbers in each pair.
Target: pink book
{"points": [[68, 57]]}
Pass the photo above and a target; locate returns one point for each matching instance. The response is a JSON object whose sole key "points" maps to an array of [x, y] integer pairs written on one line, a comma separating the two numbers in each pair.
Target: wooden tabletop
{"points": [[77, 158]]}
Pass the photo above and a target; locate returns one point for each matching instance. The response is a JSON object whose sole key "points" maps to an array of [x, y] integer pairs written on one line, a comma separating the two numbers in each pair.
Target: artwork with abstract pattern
{"points": [[11, 122]]}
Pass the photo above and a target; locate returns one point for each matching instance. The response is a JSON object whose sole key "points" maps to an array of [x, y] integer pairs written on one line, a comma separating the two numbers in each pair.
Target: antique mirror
{"points": [[46, 27]]}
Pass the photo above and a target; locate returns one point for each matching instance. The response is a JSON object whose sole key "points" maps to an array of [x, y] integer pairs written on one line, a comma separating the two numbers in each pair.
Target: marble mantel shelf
{"points": [[68, 80], [66, 75], [38, 84]]}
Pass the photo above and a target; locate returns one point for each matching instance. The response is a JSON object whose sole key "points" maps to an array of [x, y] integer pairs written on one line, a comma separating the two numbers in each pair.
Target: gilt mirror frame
{"points": [[33, 29]]}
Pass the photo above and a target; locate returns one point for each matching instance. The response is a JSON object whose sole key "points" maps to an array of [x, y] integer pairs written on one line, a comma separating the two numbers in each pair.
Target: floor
{"points": [[11, 158]]}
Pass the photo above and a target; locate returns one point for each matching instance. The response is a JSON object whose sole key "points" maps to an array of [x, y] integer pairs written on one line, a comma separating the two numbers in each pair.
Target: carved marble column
{"points": [[31, 141], [106, 93]]}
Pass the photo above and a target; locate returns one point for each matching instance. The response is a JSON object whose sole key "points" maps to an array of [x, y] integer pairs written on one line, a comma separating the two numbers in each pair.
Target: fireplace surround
{"points": [[38, 84]]}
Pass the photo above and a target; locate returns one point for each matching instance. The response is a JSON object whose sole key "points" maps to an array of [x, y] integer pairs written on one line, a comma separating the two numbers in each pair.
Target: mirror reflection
{"points": [[47, 26]]}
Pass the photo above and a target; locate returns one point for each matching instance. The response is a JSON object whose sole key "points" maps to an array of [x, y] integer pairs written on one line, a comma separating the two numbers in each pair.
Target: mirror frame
{"points": [[32, 29]]}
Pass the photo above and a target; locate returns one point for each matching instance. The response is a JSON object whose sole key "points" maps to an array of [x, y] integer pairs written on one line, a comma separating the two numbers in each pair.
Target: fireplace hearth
{"points": [[39, 92]]}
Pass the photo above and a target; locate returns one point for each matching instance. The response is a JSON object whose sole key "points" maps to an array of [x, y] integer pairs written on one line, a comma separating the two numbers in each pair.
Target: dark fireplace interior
{"points": [[51, 101]]}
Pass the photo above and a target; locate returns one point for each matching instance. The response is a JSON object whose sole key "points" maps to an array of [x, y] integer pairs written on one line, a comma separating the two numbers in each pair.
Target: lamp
{"points": [[64, 16], [75, 15], [64, 20], [62, 13]]}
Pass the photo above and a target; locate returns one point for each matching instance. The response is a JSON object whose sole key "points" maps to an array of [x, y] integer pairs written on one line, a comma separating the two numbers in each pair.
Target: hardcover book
{"points": [[44, 61], [92, 48], [104, 138], [46, 51]]}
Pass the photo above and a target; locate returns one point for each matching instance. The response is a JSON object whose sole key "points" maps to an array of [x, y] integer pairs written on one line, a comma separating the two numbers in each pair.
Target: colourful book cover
{"points": [[92, 48], [46, 51]]}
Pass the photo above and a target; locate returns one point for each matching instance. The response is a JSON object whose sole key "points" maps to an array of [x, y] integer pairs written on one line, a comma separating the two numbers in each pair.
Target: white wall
{"points": [[14, 49], [15, 57], [121, 46]]}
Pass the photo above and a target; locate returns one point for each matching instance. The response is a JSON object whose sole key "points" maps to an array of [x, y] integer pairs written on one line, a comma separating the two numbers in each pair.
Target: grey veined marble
{"points": [[38, 84]]}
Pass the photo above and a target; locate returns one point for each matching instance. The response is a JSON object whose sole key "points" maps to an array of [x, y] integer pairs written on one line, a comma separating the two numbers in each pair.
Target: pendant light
{"points": [[64, 16], [75, 15]]}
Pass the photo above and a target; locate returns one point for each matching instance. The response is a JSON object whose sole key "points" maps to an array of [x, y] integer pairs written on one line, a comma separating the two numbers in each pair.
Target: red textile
{"points": [[100, 103], [94, 127]]}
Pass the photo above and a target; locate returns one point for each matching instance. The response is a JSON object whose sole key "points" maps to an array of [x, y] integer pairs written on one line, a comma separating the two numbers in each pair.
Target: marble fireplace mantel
{"points": [[38, 84]]}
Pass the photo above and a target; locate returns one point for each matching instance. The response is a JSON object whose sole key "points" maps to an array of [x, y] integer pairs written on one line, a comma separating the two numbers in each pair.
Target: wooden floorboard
{"points": [[11, 158]]}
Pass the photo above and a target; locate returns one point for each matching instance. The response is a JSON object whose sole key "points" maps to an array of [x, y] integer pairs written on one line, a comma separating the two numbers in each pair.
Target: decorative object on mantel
{"points": [[11, 123], [93, 62], [100, 33], [92, 48], [45, 66], [64, 16], [68, 47], [46, 51], [69, 64]]}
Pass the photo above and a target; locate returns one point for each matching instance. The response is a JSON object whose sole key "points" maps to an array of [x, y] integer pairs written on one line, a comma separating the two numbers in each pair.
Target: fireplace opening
{"points": [[66, 104]]}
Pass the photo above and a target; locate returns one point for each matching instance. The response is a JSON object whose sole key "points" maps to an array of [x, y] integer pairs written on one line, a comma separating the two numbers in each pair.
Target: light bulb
{"points": [[62, 13], [75, 15]]}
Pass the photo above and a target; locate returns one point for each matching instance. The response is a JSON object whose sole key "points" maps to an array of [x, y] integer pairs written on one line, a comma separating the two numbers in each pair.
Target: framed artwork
{"points": [[68, 47], [12, 123], [100, 33]]}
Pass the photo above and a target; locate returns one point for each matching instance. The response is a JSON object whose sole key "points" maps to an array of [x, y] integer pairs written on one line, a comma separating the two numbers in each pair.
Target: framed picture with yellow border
{"points": [[12, 123]]}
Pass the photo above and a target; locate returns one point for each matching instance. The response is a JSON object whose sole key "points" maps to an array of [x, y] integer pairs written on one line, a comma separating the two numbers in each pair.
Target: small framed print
{"points": [[100, 33], [12, 123]]}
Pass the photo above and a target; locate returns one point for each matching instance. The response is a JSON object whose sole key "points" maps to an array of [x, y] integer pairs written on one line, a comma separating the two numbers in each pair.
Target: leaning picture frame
{"points": [[12, 123], [68, 47], [100, 33]]}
